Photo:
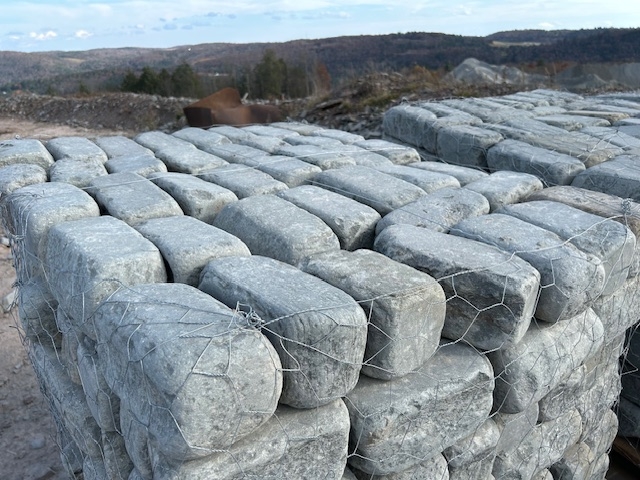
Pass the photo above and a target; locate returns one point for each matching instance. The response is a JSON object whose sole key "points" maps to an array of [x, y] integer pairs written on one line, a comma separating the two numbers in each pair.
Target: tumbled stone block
{"points": [[563, 397], [188, 244], [438, 211], [13, 177], [188, 160], [236, 153], [398, 154], [156, 140], [196, 197], [143, 165], [292, 444], [243, 181], [464, 175], [399, 423], [610, 241], [318, 330], [380, 191], [275, 228], [88, 259], [323, 158], [570, 279], [466, 145], [132, 198], [353, 222], [167, 350], [405, 307], [75, 148], [504, 187], [547, 355], [37, 312], [117, 464], [79, 173], [478, 446], [551, 167], [515, 427], [434, 468], [425, 179], [120, 146], [25, 151], [203, 139], [619, 177], [491, 295], [601, 437], [576, 463], [291, 171]]}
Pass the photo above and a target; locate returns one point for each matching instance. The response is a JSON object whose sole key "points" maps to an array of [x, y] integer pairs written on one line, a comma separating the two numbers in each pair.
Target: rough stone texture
{"points": [[203, 139], [610, 241], [478, 446], [353, 223], [27, 151], [243, 181], [491, 295], [425, 179], [515, 427], [237, 153], [399, 423], [398, 154], [323, 158], [382, 192], [37, 312], [576, 464], [156, 140], [466, 145], [434, 468], [438, 211], [88, 259], [619, 176], [318, 331], [551, 167], [76, 148], [117, 463], [31, 211], [13, 177], [79, 173], [570, 279], [188, 160], [291, 171], [563, 397], [168, 349], [464, 175], [144, 165], [292, 444], [188, 244], [547, 355], [365, 158], [544, 446], [272, 227], [405, 307], [614, 137], [121, 146], [602, 436], [132, 198], [196, 197], [504, 187]]}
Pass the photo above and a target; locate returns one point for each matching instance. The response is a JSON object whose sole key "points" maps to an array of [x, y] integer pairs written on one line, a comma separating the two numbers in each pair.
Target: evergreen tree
{"points": [[269, 76]]}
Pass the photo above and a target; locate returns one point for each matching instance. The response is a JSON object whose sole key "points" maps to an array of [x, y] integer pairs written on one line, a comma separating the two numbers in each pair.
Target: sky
{"points": [[72, 25]]}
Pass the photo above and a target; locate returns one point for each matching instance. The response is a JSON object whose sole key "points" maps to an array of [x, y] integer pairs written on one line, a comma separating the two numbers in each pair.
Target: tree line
{"points": [[271, 78]]}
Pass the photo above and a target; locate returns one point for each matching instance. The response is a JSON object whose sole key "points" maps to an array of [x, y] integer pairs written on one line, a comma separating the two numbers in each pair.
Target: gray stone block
{"points": [[409, 124], [143, 165], [136, 440], [196, 197], [13, 177], [348, 475], [75, 148], [515, 427], [478, 446], [601, 395], [291, 171], [544, 446], [464, 175], [353, 223], [425, 179], [156, 140], [601, 437], [405, 307], [120, 146], [364, 157], [189, 160], [25, 151], [487, 110], [188, 244], [132, 198], [435, 468], [117, 463], [619, 177], [243, 181], [237, 153], [292, 444], [93, 468], [79, 173], [491, 295], [563, 397], [318, 331], [345, 137], [504, 187], [298, 127], [264, 130], [37, 312], [261, 142], [466, 145], [202, 139], [88, 259], [600, 467], [543, 474], [31, 211], [398, 154], [167, 350], [380, 191], [576, 463], [399, 423], [323, 158], [573, 121], [438, 211], [275, 228], [551, 167], [570, 280], [546, 356], [611, 242], [71, 338], [324, 142], [614, 137], [235, 134]]}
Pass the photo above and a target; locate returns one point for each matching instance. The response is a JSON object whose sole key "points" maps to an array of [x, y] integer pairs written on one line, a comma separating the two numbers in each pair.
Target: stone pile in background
{"points": [[289, 301]]}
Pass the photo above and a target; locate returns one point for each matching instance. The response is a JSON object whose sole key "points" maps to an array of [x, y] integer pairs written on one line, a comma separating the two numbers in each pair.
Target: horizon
{"points": [[82, 26]]}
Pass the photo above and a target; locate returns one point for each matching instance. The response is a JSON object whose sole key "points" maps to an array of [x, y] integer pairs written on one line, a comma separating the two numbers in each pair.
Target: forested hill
{"points": [[342, 56]]}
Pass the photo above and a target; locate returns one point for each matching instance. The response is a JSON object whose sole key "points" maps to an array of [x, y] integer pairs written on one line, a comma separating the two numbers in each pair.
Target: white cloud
{"points": [[83, 34], [48, 35]]}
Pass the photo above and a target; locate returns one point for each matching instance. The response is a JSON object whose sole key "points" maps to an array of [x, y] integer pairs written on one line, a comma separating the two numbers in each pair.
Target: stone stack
{"points": [[288, 302]]}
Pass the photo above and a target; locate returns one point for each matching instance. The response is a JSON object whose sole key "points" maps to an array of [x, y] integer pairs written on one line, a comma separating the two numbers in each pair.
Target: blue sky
{"points": [[44, 25]]}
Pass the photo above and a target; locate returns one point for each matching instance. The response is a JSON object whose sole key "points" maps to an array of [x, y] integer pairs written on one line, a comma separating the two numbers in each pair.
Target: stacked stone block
{"points": [[288, 302]]}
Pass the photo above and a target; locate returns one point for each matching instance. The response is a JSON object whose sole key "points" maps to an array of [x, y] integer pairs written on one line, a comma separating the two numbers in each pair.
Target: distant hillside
{"points": [[344, 57]]}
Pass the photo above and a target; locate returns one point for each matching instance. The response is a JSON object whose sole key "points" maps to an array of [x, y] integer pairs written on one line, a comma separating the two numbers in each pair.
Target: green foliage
{"points": [[182, 82], [269, 76]]}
